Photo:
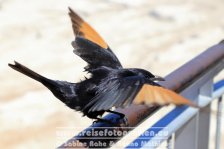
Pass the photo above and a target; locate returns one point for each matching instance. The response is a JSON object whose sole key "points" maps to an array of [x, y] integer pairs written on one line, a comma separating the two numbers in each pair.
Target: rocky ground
{"points": [[157, 35]]}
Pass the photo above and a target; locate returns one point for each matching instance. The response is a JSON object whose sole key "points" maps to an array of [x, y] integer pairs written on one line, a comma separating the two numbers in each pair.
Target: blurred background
{"points": [[157, 35]]}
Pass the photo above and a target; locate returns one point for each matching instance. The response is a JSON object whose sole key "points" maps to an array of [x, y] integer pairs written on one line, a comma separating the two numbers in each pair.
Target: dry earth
{"points": [[156, 35]]}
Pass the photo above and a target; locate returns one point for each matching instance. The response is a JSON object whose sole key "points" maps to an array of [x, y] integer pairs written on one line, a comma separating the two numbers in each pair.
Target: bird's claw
{"points": [[123, 122]]}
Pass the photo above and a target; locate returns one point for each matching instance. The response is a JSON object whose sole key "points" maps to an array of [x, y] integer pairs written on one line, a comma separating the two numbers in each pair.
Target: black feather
{"points": [[115, 93], [94, 55]]}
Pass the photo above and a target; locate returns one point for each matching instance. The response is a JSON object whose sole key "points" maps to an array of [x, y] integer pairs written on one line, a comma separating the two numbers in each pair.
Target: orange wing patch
{"points": [[150, 95], [83, 29]]}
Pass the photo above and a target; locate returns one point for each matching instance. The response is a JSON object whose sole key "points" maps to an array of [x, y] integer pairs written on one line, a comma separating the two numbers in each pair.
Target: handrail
{"points": [[177, 81]]}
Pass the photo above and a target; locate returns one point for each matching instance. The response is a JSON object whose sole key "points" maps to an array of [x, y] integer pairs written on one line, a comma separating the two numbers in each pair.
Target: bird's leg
{"points": [[102, 120], [123, 121], [114, 112]]}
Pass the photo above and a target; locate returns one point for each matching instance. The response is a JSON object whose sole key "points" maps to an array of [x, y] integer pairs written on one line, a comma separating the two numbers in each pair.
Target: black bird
{"points": [[110, 85]]}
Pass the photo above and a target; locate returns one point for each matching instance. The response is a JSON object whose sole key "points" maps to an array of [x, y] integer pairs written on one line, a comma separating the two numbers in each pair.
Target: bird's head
{"points": [[148, 75]]}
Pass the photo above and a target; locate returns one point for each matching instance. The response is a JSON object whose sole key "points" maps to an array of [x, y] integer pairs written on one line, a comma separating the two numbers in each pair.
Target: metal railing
{"points": [[193, 80]]}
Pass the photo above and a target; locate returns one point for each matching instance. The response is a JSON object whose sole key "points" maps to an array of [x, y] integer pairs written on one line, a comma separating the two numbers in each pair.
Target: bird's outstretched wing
{"points": [[90, 46], [94, 55], [122, 92], [83, 29], [150, 94]]}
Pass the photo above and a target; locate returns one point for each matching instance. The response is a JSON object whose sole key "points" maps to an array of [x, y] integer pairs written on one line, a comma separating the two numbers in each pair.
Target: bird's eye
{"points": [[147, 77]]}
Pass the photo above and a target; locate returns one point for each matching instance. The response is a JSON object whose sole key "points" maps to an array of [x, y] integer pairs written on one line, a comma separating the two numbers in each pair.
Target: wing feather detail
{"points": [[123, 92], [150, 95], [90, 46], [83, 29], [115, 93]]}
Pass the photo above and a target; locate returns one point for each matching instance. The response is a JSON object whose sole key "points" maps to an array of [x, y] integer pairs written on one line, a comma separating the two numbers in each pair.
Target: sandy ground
{"points": [[158, 36]]}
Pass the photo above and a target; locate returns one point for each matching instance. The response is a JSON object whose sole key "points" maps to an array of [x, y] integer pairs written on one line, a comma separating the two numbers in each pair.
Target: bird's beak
{"points": [[158, 78]]}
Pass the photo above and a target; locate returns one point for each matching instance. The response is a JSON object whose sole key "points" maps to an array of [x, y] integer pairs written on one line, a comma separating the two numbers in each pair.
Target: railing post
{"points": [[170, 142], [186, 137], [218, 124], [204, 116]]}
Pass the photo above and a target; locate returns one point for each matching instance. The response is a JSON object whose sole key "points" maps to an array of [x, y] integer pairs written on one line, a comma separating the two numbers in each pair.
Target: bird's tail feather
{"points": [[63, 90], [26, 71]]}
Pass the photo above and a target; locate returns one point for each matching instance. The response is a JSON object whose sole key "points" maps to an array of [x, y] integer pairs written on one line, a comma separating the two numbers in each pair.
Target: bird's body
{"points": [[109, 85]]}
